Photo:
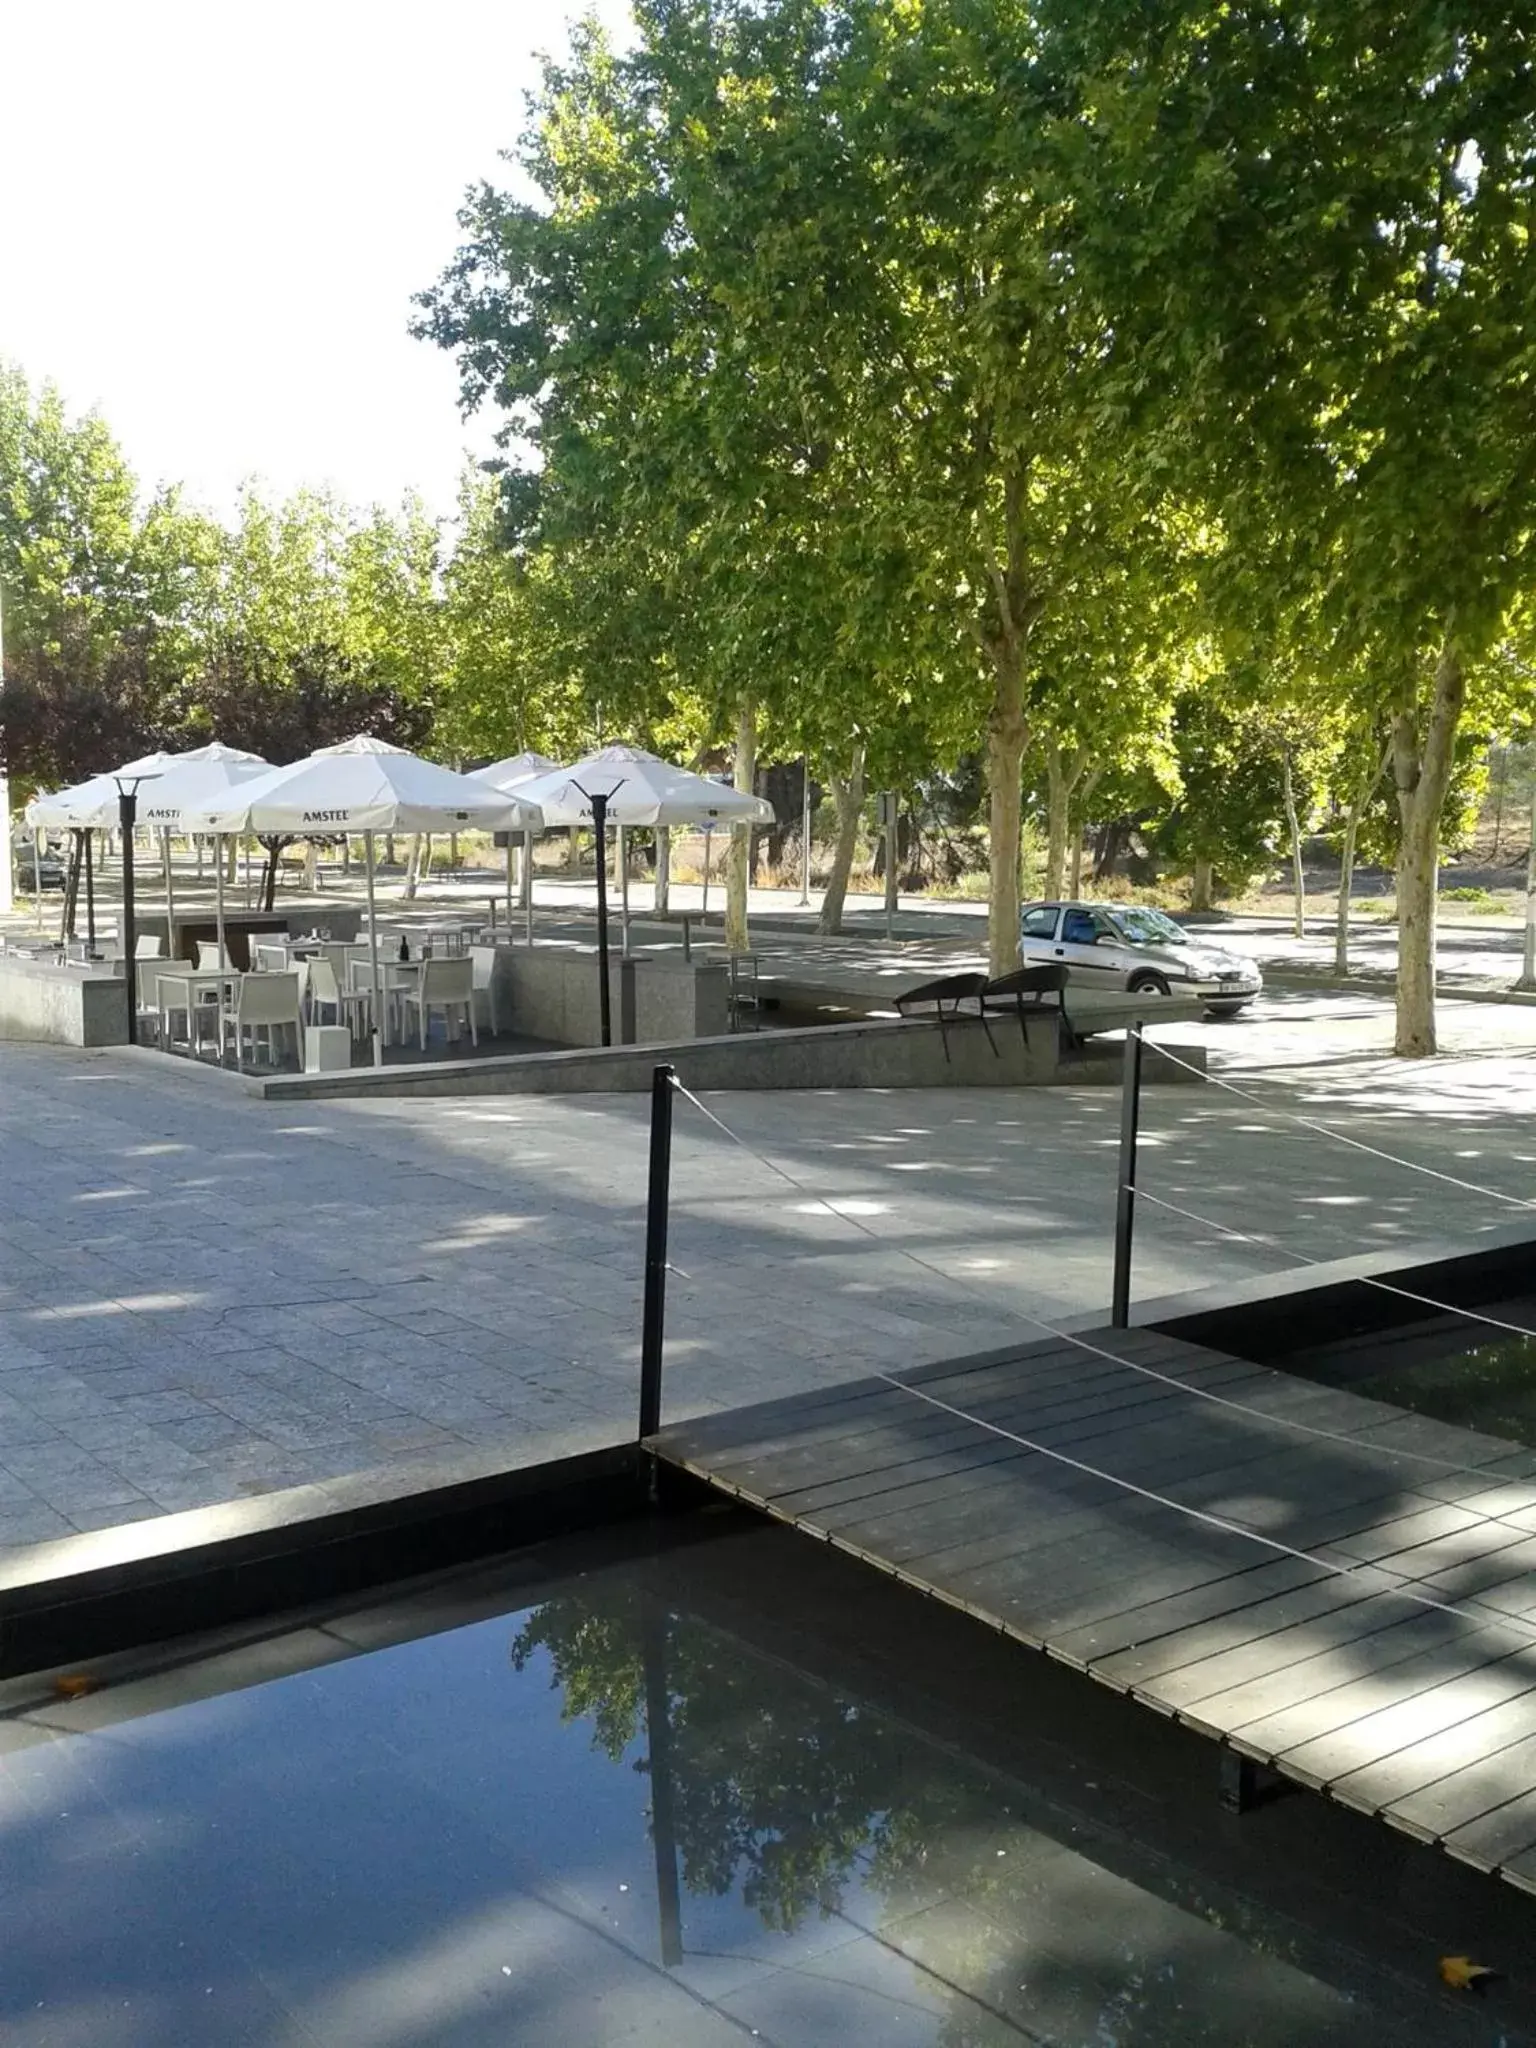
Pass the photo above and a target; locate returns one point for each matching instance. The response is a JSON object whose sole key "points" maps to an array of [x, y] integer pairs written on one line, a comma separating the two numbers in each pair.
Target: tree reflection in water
{"points": [[772, 1786], [782, 1788]]}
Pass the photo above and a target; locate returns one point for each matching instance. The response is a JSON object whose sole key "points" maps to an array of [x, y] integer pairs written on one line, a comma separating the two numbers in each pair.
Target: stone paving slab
{"points": [[205, 1297]]}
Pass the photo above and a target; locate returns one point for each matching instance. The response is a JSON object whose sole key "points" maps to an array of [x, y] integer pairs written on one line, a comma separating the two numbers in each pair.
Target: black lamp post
{"points": [[127, 816], [600, 802]]}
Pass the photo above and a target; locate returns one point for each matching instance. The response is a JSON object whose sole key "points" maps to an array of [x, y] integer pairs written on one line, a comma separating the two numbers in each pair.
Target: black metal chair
{"points": [[946, 995], [1026, 988]]}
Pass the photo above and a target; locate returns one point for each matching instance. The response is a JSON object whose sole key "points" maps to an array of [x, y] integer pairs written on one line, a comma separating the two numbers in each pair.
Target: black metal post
{"points": [[658, 1740], [127, 815], [604, 992], [90, 896], [1125, 1198], [654, 1317]]}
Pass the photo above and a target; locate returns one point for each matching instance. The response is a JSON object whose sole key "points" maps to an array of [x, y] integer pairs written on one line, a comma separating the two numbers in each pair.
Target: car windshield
{"points": [[1148, 928]]}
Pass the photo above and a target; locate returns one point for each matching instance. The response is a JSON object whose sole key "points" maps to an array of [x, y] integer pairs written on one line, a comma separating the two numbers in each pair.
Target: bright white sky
{"points": [[215, 215]]}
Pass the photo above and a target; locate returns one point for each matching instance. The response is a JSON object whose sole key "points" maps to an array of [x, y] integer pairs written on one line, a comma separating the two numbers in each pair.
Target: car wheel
{"points": [[1147, 984], [1227, 1009]]}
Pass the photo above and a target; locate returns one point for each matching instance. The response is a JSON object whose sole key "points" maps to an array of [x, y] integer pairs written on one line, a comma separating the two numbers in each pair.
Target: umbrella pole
{"points": [[37, 877], [90, 898], [527, 887], [704, 912], [170, 896], [624, 892], [509, 885], [218, 902], [373, 957]]}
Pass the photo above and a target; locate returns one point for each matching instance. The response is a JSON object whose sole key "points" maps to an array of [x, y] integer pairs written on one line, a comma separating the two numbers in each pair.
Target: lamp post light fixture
{"points": [[127, 817]]}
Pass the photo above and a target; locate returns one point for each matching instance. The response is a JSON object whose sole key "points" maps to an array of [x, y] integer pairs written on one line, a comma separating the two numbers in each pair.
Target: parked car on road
{"points": [[45, 868], [1126, 946]]}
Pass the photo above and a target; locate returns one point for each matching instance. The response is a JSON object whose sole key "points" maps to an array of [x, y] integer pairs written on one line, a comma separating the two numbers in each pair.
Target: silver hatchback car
{"points": [[1122, 946]]}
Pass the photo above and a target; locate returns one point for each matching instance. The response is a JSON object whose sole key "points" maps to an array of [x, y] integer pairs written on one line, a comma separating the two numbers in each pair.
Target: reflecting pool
{"points": [[619, 1811]]}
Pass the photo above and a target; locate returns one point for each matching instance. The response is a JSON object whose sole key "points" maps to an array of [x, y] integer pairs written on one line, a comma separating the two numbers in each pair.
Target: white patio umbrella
{"points": [[186, 783], [509, 776], [358, 788], [92, 806], [174, 783], [626, 786]]}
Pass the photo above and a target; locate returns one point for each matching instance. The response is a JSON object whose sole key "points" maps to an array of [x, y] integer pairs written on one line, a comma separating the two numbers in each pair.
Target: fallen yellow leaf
{"points": [[76, 1685], [1462, 1974]]}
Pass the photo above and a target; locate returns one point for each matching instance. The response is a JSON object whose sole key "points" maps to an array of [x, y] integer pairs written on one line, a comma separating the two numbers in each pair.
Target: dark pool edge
{"points": [[1276, 1313], [172, 1575]]}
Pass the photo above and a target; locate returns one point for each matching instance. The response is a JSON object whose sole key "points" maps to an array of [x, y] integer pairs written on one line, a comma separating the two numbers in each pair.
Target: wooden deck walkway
{"points": [[1321, 1668]]}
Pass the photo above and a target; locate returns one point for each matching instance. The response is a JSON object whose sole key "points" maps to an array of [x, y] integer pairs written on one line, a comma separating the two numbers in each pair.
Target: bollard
{"points": [[1125, 1194], [654, 1316]]}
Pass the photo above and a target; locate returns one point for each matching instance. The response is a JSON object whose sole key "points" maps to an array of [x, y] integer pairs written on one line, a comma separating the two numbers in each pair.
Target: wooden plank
{"points": [[1389, 1782], [1149, 1621], [1446, 1700], [1394, 1638], [1520, 1869], [1475, 1787], [909, 1420], [787, 1417], [1224, 1635], [1502, 1577], [1421, 1564], [1497, 1836], [1517, 1466], [778, 1427], [1064, 1545], [1332, 1709], [1095, 1579], [1178, 1472], [1296, 1661]]}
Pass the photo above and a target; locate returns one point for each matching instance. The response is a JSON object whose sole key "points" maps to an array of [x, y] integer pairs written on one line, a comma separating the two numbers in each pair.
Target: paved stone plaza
{"points": [[204, 1297]]}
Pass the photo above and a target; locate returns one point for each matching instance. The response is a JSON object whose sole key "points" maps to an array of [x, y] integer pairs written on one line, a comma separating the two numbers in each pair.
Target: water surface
{"points": [[605, 1817]]}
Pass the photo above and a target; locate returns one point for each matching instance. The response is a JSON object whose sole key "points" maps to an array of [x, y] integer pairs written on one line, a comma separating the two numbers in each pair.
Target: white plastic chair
{"points": [[146, 973], [326, 993], [446, 985], [264, 1002], [267, 957], [483, 962], [148, 946], [208, 954]]}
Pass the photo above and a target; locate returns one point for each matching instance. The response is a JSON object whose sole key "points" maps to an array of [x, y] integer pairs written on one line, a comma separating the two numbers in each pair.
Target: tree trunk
{"points": [[663, 868], [1058, 800], [413, 867], [1346, 891], [573, 850], [311, 867], [739, 859], [1078, 822], [1202, 886], [1293, 830], [848, 800], [1422, 771], [1007, 735], [1356, 812], [1528, 960]]}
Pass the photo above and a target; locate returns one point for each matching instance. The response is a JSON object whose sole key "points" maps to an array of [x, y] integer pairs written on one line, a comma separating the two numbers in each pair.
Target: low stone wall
{"points": [[551, 992], [53, 1004], [873, 1054]]}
